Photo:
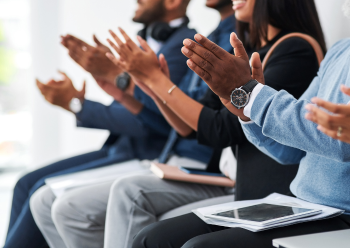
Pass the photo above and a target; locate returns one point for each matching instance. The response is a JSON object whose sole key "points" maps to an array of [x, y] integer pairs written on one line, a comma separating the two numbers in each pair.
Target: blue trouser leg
{"points": [[24, 232], [24, 185]]}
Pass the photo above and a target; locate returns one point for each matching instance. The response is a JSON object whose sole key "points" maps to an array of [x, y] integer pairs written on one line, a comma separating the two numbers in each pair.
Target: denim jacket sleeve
{"points": [[282, 132]]}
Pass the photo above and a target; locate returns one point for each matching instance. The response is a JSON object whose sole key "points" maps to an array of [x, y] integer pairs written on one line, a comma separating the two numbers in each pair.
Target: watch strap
{"points": [[249, 87]]}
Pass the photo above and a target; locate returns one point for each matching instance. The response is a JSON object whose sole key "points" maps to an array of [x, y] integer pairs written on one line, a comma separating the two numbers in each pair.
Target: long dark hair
{"points": [[290, 15]]}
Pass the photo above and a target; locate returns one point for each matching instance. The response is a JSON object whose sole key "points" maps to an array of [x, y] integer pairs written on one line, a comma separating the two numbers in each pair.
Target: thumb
{"points": [[81, 93], [345, 90], [257, 72], [238, 47], [164, 65], [98, 43]]}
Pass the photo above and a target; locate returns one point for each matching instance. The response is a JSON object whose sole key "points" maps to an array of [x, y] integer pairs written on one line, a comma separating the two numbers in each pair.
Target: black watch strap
{"points": [[249, 87]]}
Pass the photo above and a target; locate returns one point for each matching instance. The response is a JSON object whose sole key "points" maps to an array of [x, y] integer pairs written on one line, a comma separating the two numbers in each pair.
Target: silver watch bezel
{"points": [[245, 104]]}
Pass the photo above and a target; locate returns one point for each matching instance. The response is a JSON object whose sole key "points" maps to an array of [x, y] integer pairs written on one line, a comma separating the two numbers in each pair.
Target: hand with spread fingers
{"points": [[335, 123], [60, 93], [91, 58], [222, 71], [137, 62]]}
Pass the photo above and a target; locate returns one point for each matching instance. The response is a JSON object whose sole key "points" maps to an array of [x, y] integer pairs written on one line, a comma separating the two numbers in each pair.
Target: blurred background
{"points": [[34, 133]]}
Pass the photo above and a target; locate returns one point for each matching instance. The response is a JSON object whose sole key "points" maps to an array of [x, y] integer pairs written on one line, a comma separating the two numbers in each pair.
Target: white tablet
{"points": [[263, 214]]}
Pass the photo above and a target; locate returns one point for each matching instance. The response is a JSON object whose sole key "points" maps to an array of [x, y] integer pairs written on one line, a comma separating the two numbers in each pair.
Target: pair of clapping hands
{"points": [[214, 65], [92, 59], [223, 72]]}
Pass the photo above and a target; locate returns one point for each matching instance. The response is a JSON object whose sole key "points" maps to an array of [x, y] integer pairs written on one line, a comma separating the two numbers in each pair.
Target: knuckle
{"points": [[206, 55], [203, 63], [213, 47]]}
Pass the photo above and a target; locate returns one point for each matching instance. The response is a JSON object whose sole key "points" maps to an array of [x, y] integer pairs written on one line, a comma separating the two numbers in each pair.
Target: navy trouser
{"points": [[23, 232]]}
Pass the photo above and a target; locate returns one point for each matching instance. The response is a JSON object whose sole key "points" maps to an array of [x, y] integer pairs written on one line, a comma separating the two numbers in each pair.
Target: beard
{"points": [[220, 4], [346, 8], [152, 14]]}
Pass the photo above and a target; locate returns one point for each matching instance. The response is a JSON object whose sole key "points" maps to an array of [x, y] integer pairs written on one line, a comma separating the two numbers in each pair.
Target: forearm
{"points": [[281, 153], [177, 123], [182, 105], [131, 104], [281, 118], [114, 118]]}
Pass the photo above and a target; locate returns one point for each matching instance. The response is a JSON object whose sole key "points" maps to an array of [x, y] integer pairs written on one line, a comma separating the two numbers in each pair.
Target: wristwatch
{"points": [[75, 105], [123, 81], [240, 96]]}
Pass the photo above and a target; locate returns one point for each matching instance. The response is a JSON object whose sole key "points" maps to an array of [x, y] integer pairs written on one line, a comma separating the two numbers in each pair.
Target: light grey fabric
{"points": [[79, 215], [200, 204], [75, 219], [40, 206], [137, 201]]}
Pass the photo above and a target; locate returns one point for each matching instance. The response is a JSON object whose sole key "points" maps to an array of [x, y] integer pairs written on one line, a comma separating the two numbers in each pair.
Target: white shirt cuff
{"points": [[247, 109]]}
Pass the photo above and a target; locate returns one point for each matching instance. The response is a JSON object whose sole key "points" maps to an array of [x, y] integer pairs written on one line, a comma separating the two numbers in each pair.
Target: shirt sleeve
{"points": [[280, 118], [115, 118]]}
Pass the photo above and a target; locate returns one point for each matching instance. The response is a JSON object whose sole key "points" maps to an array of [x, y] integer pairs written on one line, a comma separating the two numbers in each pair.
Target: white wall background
{"points": [[55, 135]]}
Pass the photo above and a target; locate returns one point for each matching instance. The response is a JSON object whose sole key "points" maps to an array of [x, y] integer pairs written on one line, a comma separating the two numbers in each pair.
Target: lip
{"points": [[238, 4]]}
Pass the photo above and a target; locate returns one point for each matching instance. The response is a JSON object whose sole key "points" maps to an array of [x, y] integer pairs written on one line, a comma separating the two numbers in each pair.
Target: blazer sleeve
{"points": [[115, 118], [217, 127]]}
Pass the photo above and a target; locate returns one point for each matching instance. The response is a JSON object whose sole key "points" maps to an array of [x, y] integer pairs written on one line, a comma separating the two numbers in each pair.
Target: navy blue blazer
{"points": [[127, 131]]}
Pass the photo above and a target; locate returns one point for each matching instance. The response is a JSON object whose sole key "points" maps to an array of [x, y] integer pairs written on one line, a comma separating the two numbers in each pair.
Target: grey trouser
{"points": [[78, 217], [75, 219]]}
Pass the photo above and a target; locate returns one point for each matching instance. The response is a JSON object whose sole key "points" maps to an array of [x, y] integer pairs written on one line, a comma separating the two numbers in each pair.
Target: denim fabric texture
{"points": [[281, 131]]}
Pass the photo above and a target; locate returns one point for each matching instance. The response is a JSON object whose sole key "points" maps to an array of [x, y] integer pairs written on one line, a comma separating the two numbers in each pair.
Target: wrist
{"points": [[155, 78]]}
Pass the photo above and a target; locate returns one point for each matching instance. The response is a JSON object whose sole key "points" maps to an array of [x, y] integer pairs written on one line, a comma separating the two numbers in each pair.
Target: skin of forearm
{"points": [[178, 124], [182, 105], [131, 104]]}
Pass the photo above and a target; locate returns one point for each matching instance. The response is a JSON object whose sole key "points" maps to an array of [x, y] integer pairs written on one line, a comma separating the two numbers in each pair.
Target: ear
{"points": [[171, 5]]}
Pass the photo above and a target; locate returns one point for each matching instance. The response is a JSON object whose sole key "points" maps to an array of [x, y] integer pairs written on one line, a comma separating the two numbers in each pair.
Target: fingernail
{"points": [[308, 117], [185, 50], [314, 99], [235, 35], [198, 37], [187, 42], [319, 128], [308, 107], [189, 62]]}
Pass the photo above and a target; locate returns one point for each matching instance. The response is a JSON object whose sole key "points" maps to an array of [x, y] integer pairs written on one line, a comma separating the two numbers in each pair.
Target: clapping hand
{"points": [[335, 123], [222, 71], [91, 58], [61, 92], [140, 64], [165, 69]]}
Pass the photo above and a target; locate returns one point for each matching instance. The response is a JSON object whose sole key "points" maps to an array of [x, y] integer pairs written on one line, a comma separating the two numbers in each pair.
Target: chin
{"points": [[242, 17]]}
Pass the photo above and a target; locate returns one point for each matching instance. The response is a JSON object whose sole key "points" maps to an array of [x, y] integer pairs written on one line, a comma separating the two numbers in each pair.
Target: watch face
{"points": [[123, 82], [239, 98]]}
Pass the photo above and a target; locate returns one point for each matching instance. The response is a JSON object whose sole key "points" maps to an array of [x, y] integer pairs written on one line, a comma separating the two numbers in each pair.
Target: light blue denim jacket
{"points": [[281, 131]]}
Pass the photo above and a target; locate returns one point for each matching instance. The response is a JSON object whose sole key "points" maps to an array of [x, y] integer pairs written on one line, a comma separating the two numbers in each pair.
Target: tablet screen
{"points": [[262, 212]]}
